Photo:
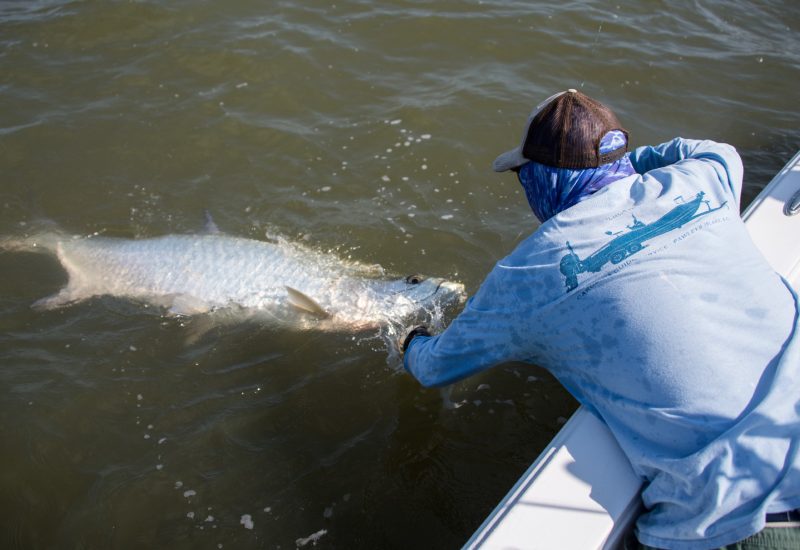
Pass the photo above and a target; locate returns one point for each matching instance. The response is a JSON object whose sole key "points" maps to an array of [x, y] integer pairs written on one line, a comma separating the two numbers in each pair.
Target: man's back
{"points": [[652, 306]]}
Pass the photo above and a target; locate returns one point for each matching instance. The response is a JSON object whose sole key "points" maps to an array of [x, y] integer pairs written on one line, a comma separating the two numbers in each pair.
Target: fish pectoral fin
{"points": [[303, 302], [183, 305], [197, 328]]}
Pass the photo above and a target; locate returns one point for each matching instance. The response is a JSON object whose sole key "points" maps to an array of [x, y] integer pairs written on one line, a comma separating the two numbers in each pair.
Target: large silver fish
{"points": [[193, 274]]}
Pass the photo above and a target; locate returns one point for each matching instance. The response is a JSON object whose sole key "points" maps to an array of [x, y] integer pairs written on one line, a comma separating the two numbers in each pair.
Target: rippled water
{"points": [[366, 129]]}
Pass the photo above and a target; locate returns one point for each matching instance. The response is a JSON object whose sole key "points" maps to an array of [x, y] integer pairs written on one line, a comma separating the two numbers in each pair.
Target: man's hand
{"points": [[416, 331]]}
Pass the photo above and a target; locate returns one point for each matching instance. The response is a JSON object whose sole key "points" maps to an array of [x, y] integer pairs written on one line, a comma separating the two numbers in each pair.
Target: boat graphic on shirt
{"points": [[632, 241]]}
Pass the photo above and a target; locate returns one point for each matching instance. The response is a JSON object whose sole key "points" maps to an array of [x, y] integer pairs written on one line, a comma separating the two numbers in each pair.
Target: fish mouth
{"points": [[455, 288]]}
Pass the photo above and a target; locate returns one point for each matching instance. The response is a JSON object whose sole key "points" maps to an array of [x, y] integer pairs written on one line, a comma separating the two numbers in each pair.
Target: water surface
{"points": [[362, 128]]}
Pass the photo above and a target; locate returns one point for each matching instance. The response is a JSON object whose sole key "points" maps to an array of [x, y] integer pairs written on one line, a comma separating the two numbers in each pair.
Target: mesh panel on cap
{"points": [[566, 133]]}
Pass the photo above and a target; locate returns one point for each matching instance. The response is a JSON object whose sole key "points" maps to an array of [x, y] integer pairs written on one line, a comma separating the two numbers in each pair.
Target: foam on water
{"points": [[247, 521], [311, 539]]}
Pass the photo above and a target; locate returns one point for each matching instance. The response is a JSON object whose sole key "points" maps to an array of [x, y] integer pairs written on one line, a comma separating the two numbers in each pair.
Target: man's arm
{"points": [[720, 158], [482, 336]]}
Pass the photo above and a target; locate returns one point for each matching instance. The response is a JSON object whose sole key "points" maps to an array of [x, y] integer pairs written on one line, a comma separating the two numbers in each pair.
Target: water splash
{"points": [[393, 332]]}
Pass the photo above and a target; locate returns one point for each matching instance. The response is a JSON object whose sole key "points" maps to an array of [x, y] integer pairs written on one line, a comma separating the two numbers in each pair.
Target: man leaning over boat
{"points": [[630, 293]]}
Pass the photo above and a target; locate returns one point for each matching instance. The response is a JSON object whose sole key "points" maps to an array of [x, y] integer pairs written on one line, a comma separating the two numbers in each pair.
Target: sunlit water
{"points": [[361, 129]]}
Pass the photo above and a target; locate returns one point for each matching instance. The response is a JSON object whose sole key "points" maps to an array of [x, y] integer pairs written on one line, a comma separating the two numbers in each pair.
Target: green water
{"points": [[363, 128]]}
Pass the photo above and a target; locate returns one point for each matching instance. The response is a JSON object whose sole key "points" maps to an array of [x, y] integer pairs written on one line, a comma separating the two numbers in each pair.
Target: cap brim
{"points": [[509, 159], [514, 158]]}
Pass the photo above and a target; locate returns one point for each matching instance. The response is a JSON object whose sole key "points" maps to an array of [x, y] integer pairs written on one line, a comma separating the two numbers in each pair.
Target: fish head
{"points": [[417, 294]]}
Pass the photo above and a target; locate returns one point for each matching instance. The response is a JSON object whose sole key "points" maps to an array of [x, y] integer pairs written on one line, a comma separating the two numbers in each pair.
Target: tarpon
{"points": [[201, 273]]}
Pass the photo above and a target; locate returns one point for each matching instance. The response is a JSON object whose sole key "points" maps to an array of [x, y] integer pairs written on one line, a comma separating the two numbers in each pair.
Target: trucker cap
{"points": [[564, 131]]}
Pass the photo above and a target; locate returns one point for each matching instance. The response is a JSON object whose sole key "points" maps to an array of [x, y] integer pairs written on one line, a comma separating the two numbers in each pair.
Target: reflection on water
{"points": [[364, 129]]}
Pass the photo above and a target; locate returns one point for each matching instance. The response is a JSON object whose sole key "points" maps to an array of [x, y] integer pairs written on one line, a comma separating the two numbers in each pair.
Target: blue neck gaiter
{"points": [[550, 190]]}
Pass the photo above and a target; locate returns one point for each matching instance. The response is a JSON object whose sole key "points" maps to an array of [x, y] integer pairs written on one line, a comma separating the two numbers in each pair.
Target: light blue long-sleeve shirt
{"points": [[650, 303]]}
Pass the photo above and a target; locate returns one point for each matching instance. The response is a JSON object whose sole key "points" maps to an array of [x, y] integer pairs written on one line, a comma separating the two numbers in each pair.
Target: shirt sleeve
{"points": [[482, 336], [717, 160]]}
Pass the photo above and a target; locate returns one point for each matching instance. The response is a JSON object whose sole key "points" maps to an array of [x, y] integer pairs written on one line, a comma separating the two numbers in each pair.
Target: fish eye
{"points": [[414, 279]]}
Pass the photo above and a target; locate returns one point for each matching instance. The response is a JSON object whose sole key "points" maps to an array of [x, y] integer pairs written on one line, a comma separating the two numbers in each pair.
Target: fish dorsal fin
{"points": [[210, 226], [303, 302]]}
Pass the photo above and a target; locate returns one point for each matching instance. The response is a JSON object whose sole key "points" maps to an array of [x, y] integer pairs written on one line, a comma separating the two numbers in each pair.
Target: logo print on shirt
{"points": [[632, 242]]}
